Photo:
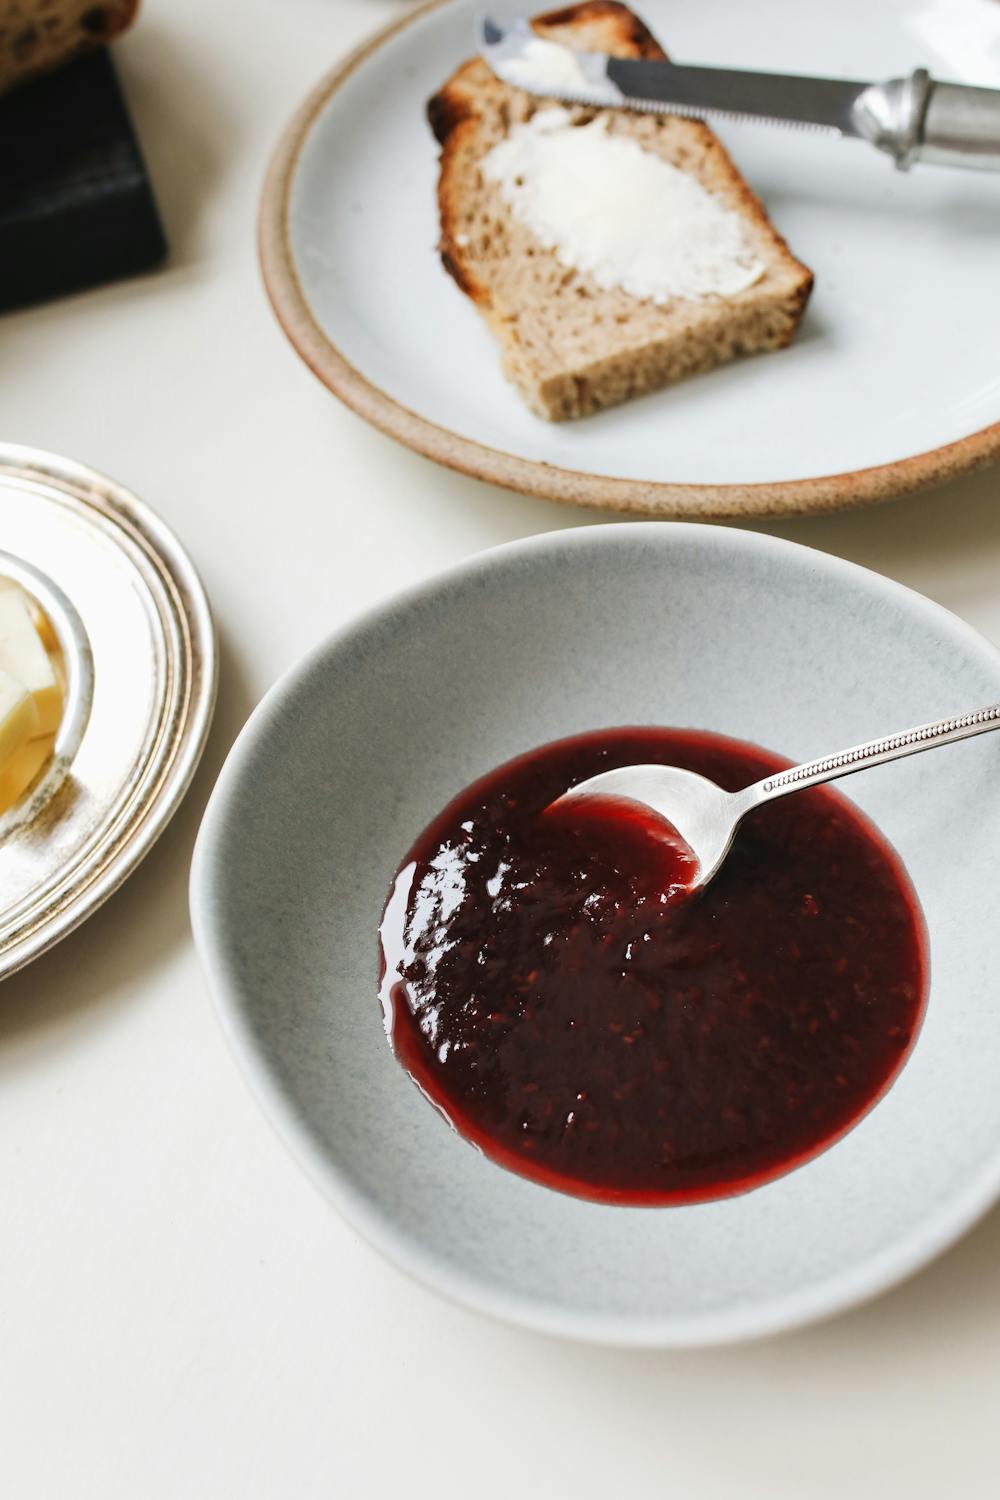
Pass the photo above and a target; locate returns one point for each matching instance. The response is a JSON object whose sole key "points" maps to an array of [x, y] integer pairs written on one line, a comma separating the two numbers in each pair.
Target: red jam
{"points": [[585, 1021]]}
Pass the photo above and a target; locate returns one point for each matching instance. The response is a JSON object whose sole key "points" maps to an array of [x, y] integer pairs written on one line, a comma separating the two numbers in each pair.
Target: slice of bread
{"points": [[569, 345], [38, 35]]}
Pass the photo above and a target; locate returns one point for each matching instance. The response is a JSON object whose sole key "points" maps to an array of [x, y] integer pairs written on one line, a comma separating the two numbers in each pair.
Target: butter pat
{"points": [[18, 717], [23, 657], [17, 773], [619, 213], [42, 623]]}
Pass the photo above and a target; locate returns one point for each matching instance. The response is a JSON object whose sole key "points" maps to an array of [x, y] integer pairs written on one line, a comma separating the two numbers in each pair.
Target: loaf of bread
{"points": [[570, 345], [38, 35]]}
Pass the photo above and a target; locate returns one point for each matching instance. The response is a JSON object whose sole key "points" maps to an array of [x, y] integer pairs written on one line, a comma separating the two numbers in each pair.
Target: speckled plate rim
{"points": [[781, 1314], [528, 476], [116, 505]]}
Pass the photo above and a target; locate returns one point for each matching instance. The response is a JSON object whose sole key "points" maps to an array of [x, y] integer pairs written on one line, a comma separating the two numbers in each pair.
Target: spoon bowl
{"points": [[698, 810], [706, 818]]}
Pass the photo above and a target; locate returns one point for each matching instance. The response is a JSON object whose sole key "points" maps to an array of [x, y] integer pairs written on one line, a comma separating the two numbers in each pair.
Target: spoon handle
{"points": [[860, 757]]}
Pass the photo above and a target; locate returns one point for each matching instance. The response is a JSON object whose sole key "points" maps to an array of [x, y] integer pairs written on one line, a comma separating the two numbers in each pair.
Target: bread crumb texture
{"points": [[570, 346]]}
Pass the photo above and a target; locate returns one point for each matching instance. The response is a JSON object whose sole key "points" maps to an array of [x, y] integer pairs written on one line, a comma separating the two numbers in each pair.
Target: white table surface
{"points": [[181, 1315]]}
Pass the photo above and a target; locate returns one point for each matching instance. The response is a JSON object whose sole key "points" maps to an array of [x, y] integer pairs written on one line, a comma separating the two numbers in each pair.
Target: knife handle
{"points": [[961, 127]]}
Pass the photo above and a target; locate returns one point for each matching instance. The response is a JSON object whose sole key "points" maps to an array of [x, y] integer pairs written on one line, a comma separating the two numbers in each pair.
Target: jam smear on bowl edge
{"points": [[576, 1013]]}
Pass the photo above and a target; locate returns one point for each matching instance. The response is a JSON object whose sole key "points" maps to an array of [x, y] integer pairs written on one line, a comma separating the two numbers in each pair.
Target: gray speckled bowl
{"points": [[351, 754]]}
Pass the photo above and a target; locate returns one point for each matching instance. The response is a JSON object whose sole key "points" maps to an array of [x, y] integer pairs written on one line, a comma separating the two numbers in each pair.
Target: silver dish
{"points": [[139, 645]]}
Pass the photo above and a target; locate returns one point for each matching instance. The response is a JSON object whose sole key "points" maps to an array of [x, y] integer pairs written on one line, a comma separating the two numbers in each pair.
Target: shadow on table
{"points": [[103, 963], [185, 127], [944, 541], [937, 534]]}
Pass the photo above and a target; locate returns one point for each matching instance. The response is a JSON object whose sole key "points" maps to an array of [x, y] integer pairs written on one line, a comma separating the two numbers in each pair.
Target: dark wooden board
{"points": [[76, 207]]}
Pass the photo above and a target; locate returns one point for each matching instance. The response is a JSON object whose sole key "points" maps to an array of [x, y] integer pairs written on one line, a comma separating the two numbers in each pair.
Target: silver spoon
{"points": [[706, 817]]}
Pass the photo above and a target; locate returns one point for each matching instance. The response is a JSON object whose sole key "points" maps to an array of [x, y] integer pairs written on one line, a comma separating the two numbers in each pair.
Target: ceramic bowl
{"points": [[355, 750]]}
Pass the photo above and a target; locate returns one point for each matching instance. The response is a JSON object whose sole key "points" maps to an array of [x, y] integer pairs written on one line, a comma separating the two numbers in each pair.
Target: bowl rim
{"points": [[813, 494], [781, 1313]]}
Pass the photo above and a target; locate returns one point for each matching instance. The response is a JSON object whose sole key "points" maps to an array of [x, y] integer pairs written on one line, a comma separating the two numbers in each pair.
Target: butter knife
{"points": [[913, 119]]}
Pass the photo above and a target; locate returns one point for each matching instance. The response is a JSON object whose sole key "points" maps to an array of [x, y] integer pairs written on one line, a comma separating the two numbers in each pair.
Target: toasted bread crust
{"points": [[600, 26], [448, 108]]}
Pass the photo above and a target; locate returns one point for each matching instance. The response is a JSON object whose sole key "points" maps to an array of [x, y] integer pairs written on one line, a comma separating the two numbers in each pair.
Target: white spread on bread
{"points": [[544, 67], [625, 217]]}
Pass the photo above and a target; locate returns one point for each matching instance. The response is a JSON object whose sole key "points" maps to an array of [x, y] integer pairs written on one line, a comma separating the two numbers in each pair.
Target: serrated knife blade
{"points": [[911, 118]]}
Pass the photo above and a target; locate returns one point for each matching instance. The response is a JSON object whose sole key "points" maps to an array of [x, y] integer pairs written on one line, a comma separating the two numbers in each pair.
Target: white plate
{"points": [[352, 754], [892, 381]]}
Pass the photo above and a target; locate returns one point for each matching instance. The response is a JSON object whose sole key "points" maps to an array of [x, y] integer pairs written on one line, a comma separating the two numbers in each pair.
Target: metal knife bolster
{"points": [[915, 119]]}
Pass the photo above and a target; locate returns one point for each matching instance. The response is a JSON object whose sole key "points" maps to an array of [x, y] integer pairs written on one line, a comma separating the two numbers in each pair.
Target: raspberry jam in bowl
{"points": [[764, 1139], [553, 986]]}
